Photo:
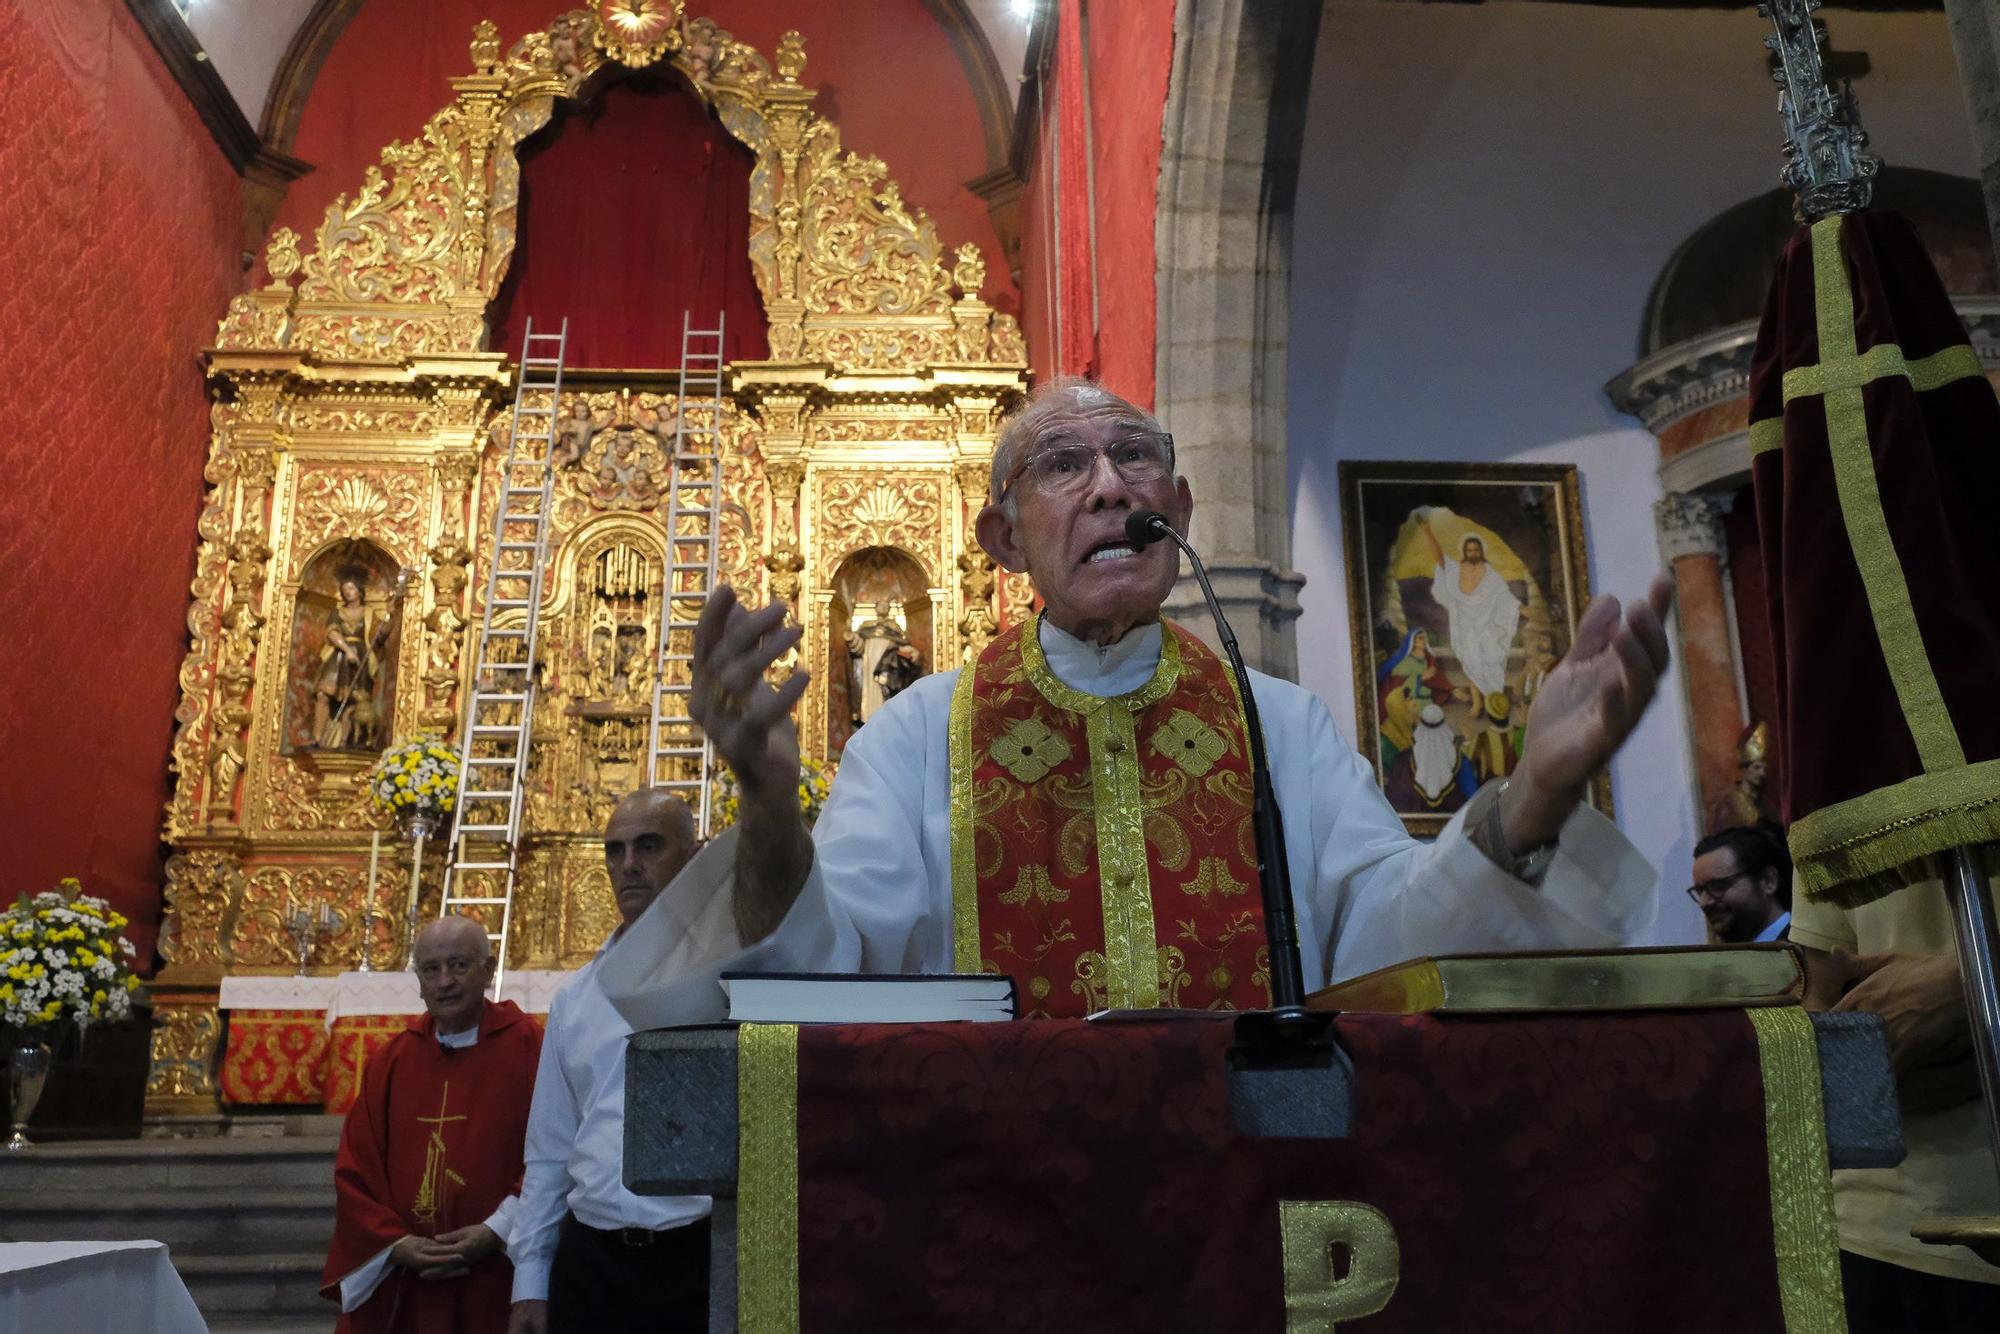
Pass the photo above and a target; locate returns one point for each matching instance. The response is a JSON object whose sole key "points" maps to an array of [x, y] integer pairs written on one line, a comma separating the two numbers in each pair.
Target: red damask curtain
{"points": [[634, 208]]}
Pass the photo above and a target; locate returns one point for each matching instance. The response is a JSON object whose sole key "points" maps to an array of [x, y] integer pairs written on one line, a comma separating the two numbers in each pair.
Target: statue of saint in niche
{"points": [[346, 713], [882, 663]]}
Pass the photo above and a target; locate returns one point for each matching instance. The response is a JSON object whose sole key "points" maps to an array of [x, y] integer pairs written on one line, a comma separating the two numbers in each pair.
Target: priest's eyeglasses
{"points": [[1064, 467], [1714, 889], [430, 970]]}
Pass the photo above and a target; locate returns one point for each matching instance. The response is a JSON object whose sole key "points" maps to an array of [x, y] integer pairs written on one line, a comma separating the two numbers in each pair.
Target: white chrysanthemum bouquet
{"points": [[416, 780], [64, 959]]}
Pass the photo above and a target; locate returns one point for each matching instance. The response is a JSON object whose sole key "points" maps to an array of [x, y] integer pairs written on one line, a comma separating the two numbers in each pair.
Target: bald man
{"points": [[430, 1156], [589, 1255]]}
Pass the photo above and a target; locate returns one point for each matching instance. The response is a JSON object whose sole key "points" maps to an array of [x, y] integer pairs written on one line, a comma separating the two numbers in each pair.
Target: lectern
{"points": [[1637, 1171]]}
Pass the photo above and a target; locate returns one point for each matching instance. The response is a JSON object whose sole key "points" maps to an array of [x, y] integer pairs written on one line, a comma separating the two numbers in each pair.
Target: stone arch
{"points": [[1234, 121]]}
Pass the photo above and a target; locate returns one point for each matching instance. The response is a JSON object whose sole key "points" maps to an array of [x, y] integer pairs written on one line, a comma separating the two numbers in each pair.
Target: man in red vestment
{"points": [[430, 1158]]}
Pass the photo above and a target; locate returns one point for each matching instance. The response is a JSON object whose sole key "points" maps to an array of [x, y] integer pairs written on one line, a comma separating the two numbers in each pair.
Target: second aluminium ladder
{"points": [[678, 757], [499, 711]]}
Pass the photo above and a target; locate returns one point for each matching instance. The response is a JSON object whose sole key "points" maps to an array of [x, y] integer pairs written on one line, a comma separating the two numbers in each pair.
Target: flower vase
{"points": [[27, 1072]]}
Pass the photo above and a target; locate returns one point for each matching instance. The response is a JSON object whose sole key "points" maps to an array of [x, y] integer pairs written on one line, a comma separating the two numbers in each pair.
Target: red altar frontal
{"points": [[293, 1042], [1631, 1172]]}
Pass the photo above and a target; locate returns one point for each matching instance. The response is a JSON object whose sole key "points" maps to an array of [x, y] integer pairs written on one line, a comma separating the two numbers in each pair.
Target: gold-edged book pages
{"points": [[1663, 978]]}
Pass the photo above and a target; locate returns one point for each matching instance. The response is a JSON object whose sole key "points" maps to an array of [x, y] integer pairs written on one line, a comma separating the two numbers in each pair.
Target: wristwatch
{"points": [[1528, 866]]}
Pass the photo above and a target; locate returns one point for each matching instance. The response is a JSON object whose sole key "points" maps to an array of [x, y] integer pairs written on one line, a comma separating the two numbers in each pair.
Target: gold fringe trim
{"points": [[767, 1171], [1874, 844], [965, 951], [1882, 577], [1804, 1237]]}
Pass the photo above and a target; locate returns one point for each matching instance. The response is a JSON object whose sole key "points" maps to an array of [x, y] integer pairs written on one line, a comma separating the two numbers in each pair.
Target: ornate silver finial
{"points": [[1826, 164]]}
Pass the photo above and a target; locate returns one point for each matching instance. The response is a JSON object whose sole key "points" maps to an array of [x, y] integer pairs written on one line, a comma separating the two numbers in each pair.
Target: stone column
{"points": [[1691, 545], [1975, 37], [1234, 120]]}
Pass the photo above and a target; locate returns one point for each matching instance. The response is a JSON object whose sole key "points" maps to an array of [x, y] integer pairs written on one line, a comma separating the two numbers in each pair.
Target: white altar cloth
{"points": [[94, 1287]]}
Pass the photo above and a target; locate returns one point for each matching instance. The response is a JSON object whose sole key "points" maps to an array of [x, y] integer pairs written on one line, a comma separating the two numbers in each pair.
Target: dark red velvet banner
{"points": [[635, 207], [1596, 1173]]}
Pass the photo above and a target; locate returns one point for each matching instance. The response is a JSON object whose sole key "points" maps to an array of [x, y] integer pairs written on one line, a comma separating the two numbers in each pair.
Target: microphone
{"points": [[1288, 1022]]}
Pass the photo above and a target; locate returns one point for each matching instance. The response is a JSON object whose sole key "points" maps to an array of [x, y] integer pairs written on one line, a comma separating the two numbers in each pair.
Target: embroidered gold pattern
{"points": [[1214, 879], [1034, 886], [1802, 1226], [965, 955], [767, 1205], [1190, 743], [1320, 1291], [1028, 749]]}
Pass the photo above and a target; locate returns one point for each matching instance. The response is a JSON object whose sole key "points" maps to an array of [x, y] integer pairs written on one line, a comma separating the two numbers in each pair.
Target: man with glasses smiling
{"points": [[1073, 807], [1743, 885], [430, 1155]]}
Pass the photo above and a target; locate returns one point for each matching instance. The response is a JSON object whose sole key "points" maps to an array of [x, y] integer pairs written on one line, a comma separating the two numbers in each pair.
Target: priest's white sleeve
{"points": [[865, 905], [360, 1285], [1369, 895]]}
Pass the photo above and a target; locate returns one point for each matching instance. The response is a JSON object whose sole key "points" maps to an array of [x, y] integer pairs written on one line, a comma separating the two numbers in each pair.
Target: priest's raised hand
{"points": [[1582, 715], [750, 723]]}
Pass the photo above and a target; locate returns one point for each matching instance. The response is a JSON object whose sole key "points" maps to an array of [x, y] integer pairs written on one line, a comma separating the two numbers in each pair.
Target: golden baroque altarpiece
{"points": [[358, 427]]}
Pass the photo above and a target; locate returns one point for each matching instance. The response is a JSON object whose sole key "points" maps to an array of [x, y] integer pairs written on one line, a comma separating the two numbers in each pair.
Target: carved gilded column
{"points": [[242, 622], [1691, 545], [446, 622]]}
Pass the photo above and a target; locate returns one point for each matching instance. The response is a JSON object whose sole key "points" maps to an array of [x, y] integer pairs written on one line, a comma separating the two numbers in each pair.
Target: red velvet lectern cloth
{"points": [[1585, 1173]]}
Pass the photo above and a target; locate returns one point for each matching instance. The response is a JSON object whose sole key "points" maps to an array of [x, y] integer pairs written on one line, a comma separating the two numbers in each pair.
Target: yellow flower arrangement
{"points": [[64, 957], [418, 778], [815, 785]]}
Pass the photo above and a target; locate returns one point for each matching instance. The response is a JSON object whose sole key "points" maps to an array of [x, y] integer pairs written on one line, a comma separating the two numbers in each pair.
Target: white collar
{"points": [[457, 1040], [1113, 669]]}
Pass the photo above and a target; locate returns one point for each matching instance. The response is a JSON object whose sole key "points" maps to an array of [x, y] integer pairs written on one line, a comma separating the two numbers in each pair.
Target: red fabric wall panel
{"points": [[886, 73], [1075, 238], [119, 252], [1131, 52], [1104, 321], [633, 209]]}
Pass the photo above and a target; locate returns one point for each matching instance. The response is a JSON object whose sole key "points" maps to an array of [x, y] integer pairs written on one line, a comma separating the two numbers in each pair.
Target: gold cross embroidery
{"points": [[425, 1209]]}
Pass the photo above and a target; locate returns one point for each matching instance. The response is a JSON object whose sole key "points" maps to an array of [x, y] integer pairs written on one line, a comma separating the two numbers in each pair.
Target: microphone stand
{"points": [[1287, 1034]]}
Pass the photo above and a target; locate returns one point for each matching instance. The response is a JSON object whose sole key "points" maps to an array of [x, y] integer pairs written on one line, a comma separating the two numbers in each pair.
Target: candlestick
{"points": [[368, 907]]}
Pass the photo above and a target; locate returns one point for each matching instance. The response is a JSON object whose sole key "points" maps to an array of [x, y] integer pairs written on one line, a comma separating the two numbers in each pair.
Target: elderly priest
{"points": [[1073, 808], [430, 1158]]}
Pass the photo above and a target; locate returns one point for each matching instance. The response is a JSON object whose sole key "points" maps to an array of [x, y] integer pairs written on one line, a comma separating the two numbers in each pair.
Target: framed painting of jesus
{"points": [[1465, 582]]}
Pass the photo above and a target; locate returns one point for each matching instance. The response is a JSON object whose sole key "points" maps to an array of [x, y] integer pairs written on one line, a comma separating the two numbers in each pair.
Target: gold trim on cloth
{"points": [[1890, 837], [1867, 525], [964, 860], [1131, 949], [1804, 1238], [1947, 366], [767, 1171]]}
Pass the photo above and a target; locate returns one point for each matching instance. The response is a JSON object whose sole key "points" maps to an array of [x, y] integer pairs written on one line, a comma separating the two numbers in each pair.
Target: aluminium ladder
{"points": [[499, 710], [679, 758]]}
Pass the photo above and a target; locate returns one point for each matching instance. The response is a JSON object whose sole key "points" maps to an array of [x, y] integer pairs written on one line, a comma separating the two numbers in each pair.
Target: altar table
{"points": [[85, 1286], [1639, 1172], [303, 1041]]}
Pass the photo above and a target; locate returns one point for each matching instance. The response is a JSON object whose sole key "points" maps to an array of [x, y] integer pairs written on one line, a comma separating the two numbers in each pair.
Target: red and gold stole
{"points": [[1102, 849]]}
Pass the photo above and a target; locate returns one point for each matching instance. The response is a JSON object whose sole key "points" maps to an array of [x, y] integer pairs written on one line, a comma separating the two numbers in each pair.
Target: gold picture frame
{"points": [[1445, 673]]}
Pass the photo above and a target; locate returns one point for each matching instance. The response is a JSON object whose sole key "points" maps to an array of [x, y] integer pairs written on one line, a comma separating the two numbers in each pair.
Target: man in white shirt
{"points": [[588, 1254], [1073, 808]]}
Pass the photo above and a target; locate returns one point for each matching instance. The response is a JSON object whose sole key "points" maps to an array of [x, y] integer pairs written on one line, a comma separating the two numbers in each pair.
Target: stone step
{"points": [[192, 1221], [259, 1289], [160, 1164]]}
